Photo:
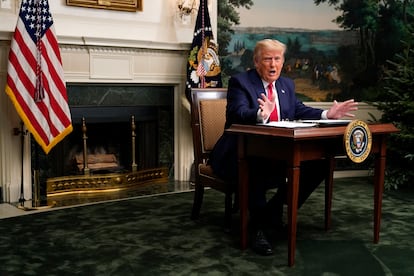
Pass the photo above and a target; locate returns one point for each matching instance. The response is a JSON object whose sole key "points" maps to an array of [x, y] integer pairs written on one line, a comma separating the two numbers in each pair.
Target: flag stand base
{"points": [[29, 206]]}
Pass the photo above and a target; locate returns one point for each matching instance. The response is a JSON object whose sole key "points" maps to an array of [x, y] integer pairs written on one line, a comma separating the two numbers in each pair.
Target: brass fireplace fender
{"points": [[109, 182]]}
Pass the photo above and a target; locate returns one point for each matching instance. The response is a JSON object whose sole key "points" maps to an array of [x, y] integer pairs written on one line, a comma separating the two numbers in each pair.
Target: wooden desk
{"points": [[300, 144]]}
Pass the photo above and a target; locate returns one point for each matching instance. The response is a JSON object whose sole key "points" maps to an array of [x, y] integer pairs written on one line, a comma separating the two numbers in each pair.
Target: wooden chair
{"points": [[208, 116]]}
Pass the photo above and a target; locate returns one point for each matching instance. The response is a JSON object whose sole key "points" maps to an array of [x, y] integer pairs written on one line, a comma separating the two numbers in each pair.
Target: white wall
{"points": [[154, 23]]}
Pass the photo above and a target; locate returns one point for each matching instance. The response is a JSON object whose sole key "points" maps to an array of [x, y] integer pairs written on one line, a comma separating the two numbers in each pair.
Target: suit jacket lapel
{"points": [[257, 84]]}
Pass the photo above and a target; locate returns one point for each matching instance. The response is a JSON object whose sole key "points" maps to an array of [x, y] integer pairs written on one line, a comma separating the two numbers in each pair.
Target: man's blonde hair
{"points": [[267, 44]]}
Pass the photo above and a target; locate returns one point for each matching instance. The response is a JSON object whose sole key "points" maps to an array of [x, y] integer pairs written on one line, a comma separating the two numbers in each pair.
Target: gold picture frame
{"points": [[119, 5]]}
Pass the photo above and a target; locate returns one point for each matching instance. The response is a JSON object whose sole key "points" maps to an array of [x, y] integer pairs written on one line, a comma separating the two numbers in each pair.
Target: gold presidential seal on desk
{"points": [[358, 141]]}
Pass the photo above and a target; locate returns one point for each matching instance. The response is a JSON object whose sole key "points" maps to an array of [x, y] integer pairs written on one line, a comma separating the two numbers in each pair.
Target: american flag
{"points": [[201, 71], [35, 78]]}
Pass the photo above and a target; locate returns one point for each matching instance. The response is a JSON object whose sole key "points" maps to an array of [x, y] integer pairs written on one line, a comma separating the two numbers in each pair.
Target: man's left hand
{"points": [[343, 109]]}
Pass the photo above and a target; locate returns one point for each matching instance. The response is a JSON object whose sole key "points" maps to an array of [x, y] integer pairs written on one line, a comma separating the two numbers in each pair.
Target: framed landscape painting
{"points": [[315, 44], [119, 5]]}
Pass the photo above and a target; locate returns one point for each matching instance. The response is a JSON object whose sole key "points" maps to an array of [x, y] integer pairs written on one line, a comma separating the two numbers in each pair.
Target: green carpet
{"points": [[154, 236]]}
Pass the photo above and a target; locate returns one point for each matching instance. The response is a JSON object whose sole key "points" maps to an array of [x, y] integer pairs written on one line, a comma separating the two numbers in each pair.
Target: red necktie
{"points": [[273, 115]]}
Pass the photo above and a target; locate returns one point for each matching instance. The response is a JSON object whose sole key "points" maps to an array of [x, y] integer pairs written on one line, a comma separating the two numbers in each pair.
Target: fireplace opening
{"points": [[110, 135], [112, 120]]}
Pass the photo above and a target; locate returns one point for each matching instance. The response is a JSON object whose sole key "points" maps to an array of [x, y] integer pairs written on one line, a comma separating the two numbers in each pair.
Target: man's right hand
{"points": [[266, 105]]}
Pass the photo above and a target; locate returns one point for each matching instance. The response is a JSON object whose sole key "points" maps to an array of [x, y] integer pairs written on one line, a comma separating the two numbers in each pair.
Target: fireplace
{"points": [[117, 123]]}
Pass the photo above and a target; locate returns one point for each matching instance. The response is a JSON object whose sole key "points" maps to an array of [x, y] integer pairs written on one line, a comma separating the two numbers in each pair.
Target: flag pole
{"points": [[36, 178], [36, 198], [22, 134], [203, 37]]}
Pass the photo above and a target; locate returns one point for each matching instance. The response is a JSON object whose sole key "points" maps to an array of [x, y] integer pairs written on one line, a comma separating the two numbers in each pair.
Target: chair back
{"points": [[208, 116]]}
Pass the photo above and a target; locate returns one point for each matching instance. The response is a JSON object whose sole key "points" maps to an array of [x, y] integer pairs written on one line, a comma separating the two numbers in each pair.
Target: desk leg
{"points": [[379, 187], [243, 193], [293, 191], [328, 192]]}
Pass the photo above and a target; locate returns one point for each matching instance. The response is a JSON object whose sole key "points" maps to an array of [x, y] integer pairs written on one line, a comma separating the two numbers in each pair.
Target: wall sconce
{"points": [[186, 11]]}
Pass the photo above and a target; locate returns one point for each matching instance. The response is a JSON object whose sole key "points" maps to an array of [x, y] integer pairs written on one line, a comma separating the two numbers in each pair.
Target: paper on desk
{"points": [[328, 122], [289, 124]]}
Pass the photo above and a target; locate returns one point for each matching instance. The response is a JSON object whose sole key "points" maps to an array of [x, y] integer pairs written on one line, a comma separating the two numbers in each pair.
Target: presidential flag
{"points": [[35, 79], [203, 65]]}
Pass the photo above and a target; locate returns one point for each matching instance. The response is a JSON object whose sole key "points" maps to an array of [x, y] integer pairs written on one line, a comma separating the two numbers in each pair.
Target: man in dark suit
{"points": [[261, 95]]}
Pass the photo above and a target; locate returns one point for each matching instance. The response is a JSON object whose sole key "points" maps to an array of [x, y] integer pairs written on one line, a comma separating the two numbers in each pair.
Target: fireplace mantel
{"points": [[101, 60], [124, 43], [137, 62]]}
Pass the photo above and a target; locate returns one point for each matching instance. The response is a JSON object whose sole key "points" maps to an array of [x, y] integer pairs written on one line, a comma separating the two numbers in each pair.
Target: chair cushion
{"points": [[206, 171]]}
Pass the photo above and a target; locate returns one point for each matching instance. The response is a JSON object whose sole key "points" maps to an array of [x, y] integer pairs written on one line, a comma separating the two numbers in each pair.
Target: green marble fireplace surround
{"points": [[107, 110]]}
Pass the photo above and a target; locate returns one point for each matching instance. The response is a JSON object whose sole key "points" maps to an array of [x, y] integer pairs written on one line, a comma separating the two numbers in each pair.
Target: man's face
{"points": [[269, 64]]}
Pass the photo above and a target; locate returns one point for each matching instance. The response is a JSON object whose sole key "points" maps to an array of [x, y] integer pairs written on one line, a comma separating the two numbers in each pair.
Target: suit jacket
{"points": [[243, 91]]}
